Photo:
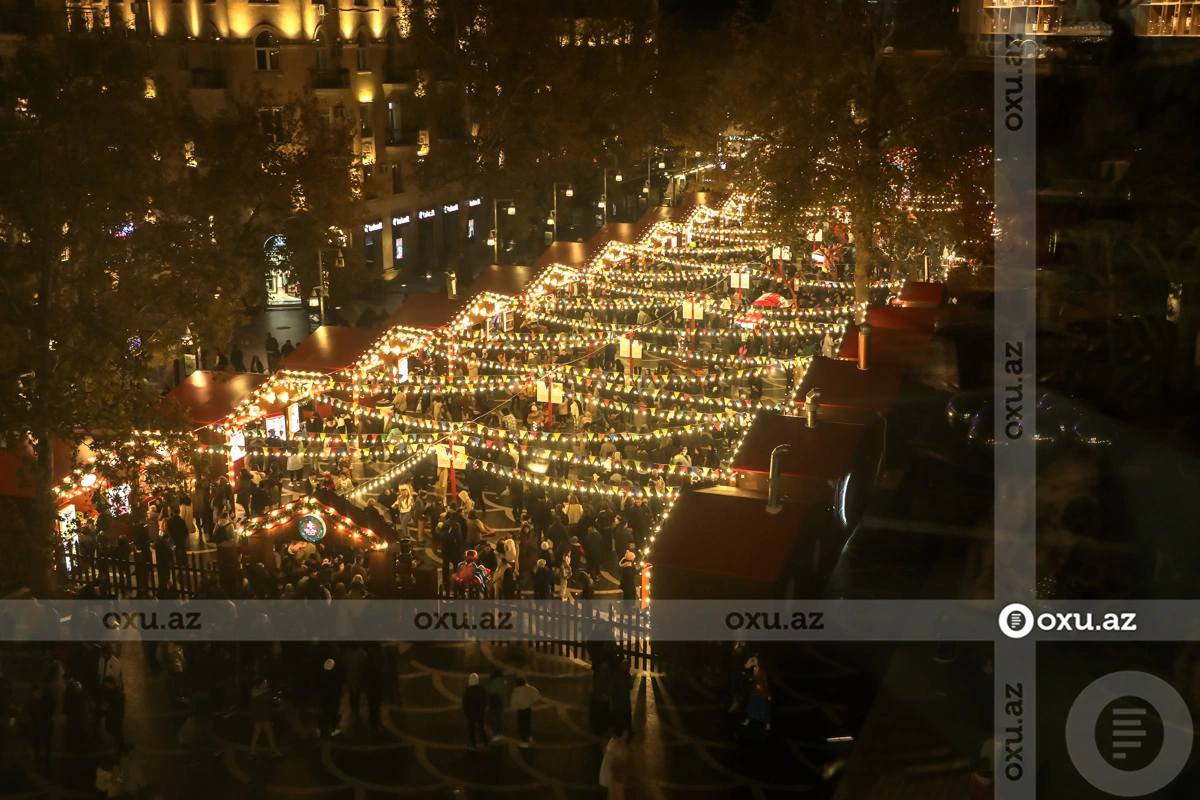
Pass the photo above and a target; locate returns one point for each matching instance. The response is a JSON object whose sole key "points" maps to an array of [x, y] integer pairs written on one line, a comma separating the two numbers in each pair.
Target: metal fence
{"points": [[139, 574]]}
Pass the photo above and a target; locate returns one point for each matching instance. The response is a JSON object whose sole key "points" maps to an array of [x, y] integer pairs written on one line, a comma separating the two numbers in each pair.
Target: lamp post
{"points": [[319, 291], [604, 197], [554, 214], [494, 236]]}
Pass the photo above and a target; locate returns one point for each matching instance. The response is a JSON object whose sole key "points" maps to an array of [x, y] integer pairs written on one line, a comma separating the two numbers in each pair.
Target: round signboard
{"points": [[312, 528]]}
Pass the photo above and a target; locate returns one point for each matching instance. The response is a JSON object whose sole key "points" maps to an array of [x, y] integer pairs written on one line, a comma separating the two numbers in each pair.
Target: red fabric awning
{"points": [[209, 397], [330, 348]]}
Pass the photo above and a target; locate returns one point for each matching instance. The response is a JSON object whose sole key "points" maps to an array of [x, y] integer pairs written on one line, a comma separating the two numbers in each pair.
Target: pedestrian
{"points": [[622, 705], [112, 710], [178, 530], [256, 365], [354, 660], [593, 549], [287, 349], [133, 774], [474, 706], [543, 580], [39, 713], [628, 576], [524, 697], [600, 706], [329, 690], [516, 494], [374, 680], [108, 778], [758, 701], [405, 503], [272, 348], [498, 697], [615, 767], [237, 359], [262, 706]]}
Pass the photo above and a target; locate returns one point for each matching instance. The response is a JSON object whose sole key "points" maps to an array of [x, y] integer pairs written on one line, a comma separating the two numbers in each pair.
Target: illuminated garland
{"points": [[309, 505]]}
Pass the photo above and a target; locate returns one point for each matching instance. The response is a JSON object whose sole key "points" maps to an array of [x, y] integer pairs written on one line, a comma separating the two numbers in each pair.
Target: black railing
{"points": [[209, 79], [140, 574], [331, 78]]}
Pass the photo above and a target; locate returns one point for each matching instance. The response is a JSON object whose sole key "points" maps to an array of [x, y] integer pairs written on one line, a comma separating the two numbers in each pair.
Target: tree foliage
{"points": [[125, 222]]}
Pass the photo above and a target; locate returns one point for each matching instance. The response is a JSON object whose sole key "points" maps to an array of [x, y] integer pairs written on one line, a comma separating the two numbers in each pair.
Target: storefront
{"points": [[427, 255], [475, 220], [450, 217], [402, 244], [373, 245]]}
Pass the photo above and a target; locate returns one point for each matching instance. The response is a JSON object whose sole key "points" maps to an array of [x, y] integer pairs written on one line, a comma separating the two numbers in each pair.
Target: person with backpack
{"points": [[223, 531]]}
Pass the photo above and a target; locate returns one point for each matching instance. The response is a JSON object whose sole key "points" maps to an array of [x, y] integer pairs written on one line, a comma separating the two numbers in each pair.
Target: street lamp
{"points": [[320, 292], [494, 238], [554, 215]]}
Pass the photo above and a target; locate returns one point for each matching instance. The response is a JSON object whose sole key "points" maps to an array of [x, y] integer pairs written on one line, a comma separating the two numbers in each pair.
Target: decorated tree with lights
{"points": [[124, 226], [847, 124]]}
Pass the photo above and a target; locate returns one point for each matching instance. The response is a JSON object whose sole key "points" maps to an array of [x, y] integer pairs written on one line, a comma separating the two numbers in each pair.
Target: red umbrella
{"points": [[769, 300]]}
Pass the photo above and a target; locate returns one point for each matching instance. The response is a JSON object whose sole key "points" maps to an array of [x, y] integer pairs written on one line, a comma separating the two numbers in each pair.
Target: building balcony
{"points": [[399, 76], [209, 79], [331, 78], [403, 138]]}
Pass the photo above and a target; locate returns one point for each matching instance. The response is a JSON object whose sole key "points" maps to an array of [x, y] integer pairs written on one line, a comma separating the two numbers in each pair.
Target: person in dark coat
{"points": [[164, 555], [543, 580], [177, 529], [638, 516], [622, 703], [374, 682], [516, 496], [272, 348], [329, 691], [599, 709], [237, 360], [628, 576], [287, 349], [474, 706], [593, 548]]}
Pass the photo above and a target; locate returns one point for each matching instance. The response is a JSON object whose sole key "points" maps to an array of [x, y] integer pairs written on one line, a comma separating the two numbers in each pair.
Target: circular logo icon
{"points": [[1129, 733], [1016, 620], [312, 528]]}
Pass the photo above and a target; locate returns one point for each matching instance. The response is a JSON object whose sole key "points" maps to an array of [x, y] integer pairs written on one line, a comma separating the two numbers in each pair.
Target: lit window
{"points": [[266, 52], [364, 62]]}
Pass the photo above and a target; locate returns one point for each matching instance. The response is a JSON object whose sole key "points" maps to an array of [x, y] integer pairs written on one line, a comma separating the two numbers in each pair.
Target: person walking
{"points": [[498, 697], [524, 697], [593, 550], [622, 704], [615, 767], [256, 364], [177, 529], [272, 348], [628, 576], [237, 359], [287, 349], [262, 707], [474, 706], [329, 688]]}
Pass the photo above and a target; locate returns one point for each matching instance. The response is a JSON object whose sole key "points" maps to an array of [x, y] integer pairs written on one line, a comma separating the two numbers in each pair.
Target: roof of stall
{"points": [[844, 385], [210, 397], [921, 293], [433, 310], [727, 532], [330, 348], [893, 347], [922, 318], [825, 451]]}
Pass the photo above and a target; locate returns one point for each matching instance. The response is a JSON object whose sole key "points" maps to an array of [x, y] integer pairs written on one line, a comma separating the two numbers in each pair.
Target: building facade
{"points": [[986, 22], [361, 63]]}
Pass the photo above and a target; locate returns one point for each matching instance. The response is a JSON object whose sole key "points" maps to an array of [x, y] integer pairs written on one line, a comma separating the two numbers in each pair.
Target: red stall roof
{"points": [[894, 347], [844, 385], [825, 451], [924, 318], [210, 397], [433, 310], [700, 533], [330, 348], [920, 293]]}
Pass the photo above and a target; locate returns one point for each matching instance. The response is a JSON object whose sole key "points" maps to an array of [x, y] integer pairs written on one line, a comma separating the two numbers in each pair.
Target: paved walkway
{"points": [[686, 747]]}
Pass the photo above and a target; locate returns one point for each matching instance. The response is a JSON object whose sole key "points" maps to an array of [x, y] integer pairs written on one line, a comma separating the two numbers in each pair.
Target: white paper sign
{"points": [[783, 253], [692, 310], [549, 394], [631, 348], [443, 457], [739, 280]]}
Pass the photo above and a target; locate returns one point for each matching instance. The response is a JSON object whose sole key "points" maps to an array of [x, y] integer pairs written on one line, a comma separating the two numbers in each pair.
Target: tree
{"points": [[847, 125], [127, 224]]}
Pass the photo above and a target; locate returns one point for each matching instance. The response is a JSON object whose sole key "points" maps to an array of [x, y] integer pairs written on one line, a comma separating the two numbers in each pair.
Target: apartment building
{"points": [[360, 61], [986, 22]]}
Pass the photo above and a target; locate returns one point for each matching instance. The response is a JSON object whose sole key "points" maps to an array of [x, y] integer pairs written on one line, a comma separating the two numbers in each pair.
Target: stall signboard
{"points": [[293, 415], [781, 253], [631, 348], [443, 456], [237, 447], [693, 310], [549, 394], [312, 528], [402, 370], [739, 280], [276, 426], [189, 364]]}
